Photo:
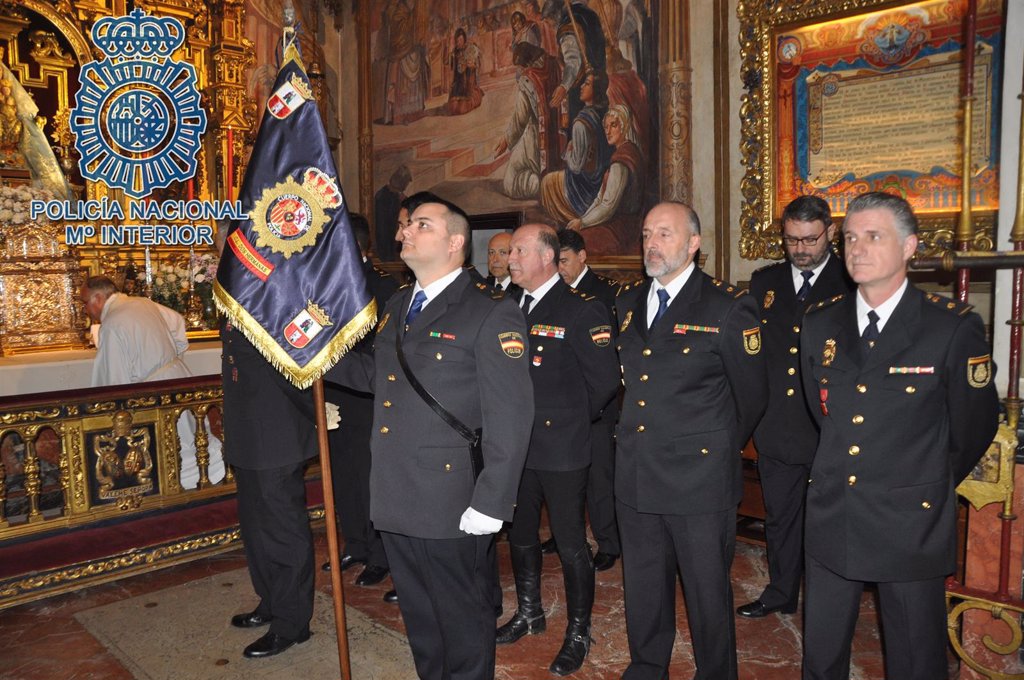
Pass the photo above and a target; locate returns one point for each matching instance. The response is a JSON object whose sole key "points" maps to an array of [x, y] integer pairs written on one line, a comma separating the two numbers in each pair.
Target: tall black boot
{"points": [[579, 599], [529, 617]]}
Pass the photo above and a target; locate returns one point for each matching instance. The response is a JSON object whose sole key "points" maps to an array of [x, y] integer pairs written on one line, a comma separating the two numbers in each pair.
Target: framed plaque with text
{"points": [[843, 98]]}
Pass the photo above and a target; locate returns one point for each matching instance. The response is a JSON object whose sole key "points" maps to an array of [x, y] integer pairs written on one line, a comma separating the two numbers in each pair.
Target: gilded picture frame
{"points": [[767, 27]]}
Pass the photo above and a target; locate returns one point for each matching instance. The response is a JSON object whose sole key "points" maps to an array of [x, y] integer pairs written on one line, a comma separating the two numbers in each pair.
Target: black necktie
{"points": [[662, 306], [414, 309], [498, 287], [805, 289], [527, 302], [871, 332]]}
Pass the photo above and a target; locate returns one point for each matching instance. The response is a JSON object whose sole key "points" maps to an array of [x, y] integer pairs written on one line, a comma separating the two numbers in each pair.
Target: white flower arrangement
{"points": [[16, 201]]}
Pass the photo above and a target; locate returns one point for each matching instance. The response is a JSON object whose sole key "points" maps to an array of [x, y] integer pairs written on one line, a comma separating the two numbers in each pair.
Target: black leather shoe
{"points": [[346, 562], [604, 561], [548, 547], [759, 610], [572, 654], [250, 620], [372, 575], [272, 644], [519, 626], [391, 596]]}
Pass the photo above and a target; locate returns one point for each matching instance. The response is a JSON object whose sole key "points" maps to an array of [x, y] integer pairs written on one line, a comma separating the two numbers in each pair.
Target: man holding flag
{"points": [[291, 285], [458, 344]]}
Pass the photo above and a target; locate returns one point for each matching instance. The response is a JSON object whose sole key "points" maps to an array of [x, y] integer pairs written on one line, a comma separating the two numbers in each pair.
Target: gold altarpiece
{"points": [[44, 45]]}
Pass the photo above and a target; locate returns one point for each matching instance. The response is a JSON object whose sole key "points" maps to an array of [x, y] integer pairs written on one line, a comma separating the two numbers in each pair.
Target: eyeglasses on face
{"points": [[808, 241]]}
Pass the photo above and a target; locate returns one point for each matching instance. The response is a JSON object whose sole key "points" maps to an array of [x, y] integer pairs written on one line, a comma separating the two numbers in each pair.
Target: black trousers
{"points": [[913, 626], [446, 603], [565, 493], [784, 487], [601, 482], [350, 472], [278, 544], [701, 547]]}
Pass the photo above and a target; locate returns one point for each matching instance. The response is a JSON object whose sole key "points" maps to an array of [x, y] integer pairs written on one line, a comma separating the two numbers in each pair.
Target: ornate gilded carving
{"points": [[123, 462], [675, 100], [1008, 613], [202, 446], [100, 407], [169, 448], [71, 434], [29, 416], [33, 485], [140, 403]]}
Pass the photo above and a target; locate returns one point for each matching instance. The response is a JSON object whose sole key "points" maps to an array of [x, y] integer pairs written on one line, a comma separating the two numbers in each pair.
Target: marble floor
{"points": [[44, 640]]}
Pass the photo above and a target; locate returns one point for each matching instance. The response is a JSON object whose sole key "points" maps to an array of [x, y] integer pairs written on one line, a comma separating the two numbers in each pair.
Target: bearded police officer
{"points": [[899, 383], [690, 349], [787, 436]]}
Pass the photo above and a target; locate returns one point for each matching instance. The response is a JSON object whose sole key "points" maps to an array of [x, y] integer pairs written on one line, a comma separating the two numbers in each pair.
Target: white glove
{"points": [[333, 415], [478, 524]]}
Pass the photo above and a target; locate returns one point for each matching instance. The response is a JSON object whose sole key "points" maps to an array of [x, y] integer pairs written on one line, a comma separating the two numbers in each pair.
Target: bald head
{"points": [[497, 255], [671, 234], [533, 258]]}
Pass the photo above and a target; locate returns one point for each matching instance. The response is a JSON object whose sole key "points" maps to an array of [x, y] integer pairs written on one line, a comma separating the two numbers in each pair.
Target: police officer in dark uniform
{"points": [[437, 520], [575, 374], [268, 438], [787, 436], [690, 349], [572, 265], [350, 443], [899, 383]]}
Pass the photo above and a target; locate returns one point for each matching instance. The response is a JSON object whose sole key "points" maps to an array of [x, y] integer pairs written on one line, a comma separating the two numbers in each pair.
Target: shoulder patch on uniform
{"points": [[404, 286], [948, 304], [979, 371], [739, 293], [601, 335], [752, 340], [512, 344]]}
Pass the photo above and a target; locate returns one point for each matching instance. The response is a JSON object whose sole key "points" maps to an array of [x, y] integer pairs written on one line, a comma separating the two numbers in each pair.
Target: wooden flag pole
{"points": [[337, 591]]}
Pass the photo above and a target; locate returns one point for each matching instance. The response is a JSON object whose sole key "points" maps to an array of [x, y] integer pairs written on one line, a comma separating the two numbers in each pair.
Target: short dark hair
{"points": [[906, 221], [361, 230], [101, 284], [410, 203], [600, 86], [807, 209], [571, 239]]}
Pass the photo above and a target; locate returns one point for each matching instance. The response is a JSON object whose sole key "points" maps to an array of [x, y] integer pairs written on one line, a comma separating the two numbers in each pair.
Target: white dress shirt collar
{"points": [[673, 288], [541, 291], [884, 310]]}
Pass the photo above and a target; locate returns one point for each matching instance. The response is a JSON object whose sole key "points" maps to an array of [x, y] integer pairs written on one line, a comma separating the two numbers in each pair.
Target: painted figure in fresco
{"points": [[567, 194], [612, 220], [524, 30], [405, 76], [465, 94], [532, 132], [581, 46]]}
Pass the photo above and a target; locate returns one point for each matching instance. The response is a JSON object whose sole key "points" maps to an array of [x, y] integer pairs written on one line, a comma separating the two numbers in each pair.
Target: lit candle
{"points": [[191, 268], [149, 269]]}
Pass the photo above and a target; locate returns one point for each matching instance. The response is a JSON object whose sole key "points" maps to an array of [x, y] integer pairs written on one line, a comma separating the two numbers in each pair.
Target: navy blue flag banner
{"points": [[291, 276]]}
